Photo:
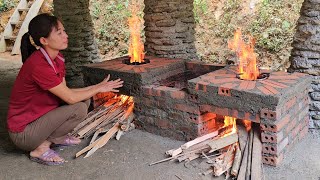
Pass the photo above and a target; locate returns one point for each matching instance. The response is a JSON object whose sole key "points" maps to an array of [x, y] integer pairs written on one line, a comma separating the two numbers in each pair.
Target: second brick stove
{"points": [[184, 99]]}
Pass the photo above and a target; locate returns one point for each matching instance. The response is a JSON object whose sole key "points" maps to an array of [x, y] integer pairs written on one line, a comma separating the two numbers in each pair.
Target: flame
{"points": [[228, 121], [247, 58], [136, 47], [247, 124]]}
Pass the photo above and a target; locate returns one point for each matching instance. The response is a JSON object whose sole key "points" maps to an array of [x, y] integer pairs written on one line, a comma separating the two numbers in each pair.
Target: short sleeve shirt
{"points": [[30, 97]]}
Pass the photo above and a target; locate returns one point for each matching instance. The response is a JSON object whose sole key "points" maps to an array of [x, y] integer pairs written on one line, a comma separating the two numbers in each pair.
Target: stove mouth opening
{"points": [[127, 61], [261, 76]]}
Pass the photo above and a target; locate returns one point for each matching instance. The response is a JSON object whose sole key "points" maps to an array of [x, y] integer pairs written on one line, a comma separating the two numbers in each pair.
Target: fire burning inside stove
{"points": [[136, 47], [248, 69]]}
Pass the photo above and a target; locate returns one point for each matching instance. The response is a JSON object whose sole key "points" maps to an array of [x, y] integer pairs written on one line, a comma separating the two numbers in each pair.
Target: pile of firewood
{"points": [[236, 154], [115, 116]]}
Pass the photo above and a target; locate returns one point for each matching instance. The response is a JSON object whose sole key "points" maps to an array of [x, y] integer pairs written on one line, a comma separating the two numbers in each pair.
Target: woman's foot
{"points": [[44, 155], [69, 141]]}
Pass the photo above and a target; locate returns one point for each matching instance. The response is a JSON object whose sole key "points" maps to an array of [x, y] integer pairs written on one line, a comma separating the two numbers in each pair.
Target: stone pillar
{"points": [[170, 28], [305, 56], [82, 49]]}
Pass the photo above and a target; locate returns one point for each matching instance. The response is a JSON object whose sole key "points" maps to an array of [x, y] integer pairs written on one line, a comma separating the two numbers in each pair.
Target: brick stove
{"points": [[184, 99]]}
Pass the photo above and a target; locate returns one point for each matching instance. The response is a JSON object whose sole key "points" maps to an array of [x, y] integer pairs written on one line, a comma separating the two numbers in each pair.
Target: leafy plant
{"points": [[6, 5]]}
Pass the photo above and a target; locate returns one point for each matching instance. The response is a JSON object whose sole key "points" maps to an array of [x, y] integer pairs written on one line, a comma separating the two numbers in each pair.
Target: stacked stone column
{"points": [[170, 28], [82, 48], [305, 56]]}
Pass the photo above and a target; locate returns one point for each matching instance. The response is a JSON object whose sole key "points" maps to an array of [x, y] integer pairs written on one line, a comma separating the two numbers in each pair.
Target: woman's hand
{"points": [[106, 85]]}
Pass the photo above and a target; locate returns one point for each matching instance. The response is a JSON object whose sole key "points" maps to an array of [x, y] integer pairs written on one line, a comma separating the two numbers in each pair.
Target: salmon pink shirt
{"points": [[30, 98]]}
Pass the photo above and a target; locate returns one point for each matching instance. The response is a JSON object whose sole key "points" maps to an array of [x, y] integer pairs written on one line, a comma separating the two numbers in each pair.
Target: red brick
{"points": [[295, 131], [268, 114], [178, 94], [207, 108], [264, 90], [251, 117], [290, 103], [292, 124], [193, 98], [187, 108], [163, 123], [222, 111], [277, 126], [224, 91], [303, 132], [208, 116], [272, 160], [271, 137], [273, 148]]}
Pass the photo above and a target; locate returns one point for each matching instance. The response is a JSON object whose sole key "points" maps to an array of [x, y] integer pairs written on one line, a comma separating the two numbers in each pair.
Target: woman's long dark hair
{"points": [[39, 26]]}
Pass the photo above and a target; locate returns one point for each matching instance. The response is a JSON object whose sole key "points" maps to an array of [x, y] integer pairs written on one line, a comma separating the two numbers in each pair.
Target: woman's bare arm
{"points": [[72, 96]]}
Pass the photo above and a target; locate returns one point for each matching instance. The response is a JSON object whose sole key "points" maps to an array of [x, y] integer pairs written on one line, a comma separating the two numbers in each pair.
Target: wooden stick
{"points": [[243, 166], [223, 142], [166, 159], [199, 139], [236, 162], [90, 146], [243, 136], [219, 169], [104, 139], [248, 171], [256, 169]]}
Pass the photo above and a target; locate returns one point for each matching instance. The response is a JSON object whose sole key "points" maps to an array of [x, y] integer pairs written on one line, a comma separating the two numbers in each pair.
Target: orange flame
{"points": [[247, 124], [228, 121], [136, 47], [247, 58]]}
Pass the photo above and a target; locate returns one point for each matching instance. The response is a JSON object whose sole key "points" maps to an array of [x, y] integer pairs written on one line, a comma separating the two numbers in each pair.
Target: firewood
{"points": [[256, 169], [174, 152], [226, 164], [91, 126], [104, 139], [248, 171], [88, 119], [236, 162], [243, 136], [223, 142], [199, 139], [243, 166], [119, 134]]}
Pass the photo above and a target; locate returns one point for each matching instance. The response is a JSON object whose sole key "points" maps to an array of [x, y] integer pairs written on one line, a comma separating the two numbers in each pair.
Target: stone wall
{"points": [[170, 28], [305, 56], [82, 46]]}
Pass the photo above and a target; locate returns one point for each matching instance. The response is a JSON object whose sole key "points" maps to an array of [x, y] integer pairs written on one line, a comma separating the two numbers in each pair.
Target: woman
{"points": [[36, 117]]}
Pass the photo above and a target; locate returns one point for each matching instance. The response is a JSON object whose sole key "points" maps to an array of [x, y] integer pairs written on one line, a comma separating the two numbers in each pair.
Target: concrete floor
{"points": [[129, 157]]}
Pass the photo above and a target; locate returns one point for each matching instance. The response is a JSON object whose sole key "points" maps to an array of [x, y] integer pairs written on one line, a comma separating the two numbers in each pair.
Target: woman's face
{"points": [[58, 38]]}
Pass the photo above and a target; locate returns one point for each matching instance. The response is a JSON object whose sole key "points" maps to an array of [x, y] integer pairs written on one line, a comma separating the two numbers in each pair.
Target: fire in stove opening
{"points": [[136, 47], [247, 59]]}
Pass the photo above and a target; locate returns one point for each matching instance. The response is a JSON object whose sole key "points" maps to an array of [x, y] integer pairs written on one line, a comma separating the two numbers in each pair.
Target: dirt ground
{"points": [[128, 158]]}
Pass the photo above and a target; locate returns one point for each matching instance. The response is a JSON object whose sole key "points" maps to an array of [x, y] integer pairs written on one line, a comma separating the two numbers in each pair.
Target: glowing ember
{"points": [[228, 121], [136, 47], [247, 58], [247, 124]]}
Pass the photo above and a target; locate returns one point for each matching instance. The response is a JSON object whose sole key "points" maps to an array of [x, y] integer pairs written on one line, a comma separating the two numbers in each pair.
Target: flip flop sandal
{"points": [[46, 157], [68, 141]]}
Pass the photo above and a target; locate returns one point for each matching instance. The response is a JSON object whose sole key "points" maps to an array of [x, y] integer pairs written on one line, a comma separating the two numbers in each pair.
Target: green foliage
{"points": [[6, 5], [200, 9], [272, 28], [271, 22], [112, 31]]}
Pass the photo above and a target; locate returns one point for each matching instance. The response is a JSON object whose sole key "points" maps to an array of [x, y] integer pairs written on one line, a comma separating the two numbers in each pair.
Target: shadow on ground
{"points": [[129, 158]]}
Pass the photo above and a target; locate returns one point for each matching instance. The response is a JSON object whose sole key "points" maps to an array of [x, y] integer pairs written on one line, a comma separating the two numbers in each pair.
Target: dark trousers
{"points": [[53, 126]]}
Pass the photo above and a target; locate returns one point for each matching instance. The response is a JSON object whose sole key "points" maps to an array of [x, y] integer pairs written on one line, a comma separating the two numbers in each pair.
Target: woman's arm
{"points": [[72, 96], [78, 89]]}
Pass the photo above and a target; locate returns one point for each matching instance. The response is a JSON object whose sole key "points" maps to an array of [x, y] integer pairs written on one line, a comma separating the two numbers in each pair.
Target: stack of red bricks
{"points": [[280, 104]]}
